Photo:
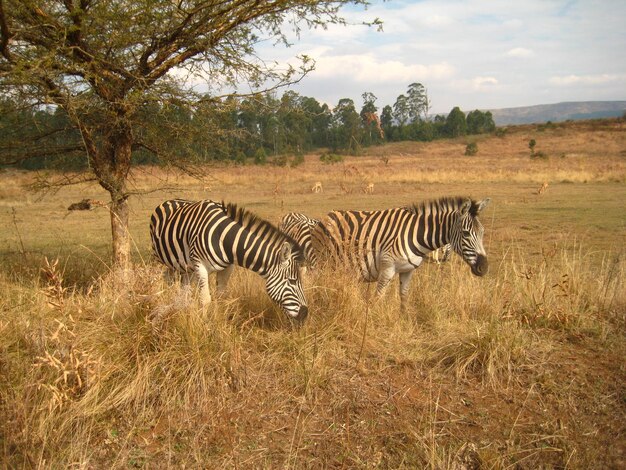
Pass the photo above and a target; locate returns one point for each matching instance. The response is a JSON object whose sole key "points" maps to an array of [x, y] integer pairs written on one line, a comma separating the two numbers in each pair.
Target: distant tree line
{"points": [[250, 129]]}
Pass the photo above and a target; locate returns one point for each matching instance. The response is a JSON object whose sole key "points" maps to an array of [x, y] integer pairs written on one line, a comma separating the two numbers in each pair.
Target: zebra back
{"points": [[300, 228]]}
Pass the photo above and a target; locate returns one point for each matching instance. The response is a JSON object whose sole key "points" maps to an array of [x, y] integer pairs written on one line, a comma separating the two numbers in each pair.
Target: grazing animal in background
{"points": [[440, 255], [543, 188], [385, 242], [317, 187], [299, 227], [86, 205], [369, 188], [206, 236]]}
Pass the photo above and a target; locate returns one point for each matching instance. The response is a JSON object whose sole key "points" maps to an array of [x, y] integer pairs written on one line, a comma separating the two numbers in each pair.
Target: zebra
{"points": [[205, 236], [299, 227], [385, 242]]}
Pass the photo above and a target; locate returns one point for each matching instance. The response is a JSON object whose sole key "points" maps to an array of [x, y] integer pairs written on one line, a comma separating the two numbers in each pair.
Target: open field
{"points": [[521, 369]]}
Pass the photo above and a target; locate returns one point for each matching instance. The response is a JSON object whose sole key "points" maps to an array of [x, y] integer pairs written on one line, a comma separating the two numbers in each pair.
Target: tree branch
{"points": [[5, 34]]}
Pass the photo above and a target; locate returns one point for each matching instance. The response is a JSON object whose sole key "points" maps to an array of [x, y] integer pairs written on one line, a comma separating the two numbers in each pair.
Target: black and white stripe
{"points": [[299, 227], [385, 242], [206, 236]]}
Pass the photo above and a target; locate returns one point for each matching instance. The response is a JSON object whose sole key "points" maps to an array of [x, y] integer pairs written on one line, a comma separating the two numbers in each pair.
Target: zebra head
{"points": [[284, 282], [467, 236]]}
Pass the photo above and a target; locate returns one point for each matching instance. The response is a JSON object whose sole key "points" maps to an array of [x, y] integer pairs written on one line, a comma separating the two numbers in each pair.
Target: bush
{"points": [[240, 158], [501, 131], [297, 160], [260, 157], [471, 149], [331, 158], [280, 160]]}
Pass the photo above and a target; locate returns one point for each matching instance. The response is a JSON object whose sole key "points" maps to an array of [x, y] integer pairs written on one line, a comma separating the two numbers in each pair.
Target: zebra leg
{"points": [[222, 278], [386, 273], [405, 282], [203, 280], [185, 288]]}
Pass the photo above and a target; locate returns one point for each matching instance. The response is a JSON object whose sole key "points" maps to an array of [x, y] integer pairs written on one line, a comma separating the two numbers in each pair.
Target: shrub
{"points": [[240, 158], [298, 160], [281, 160], [501, 131], [471, 149], [539, 155], [260, 157], [331, 158]]}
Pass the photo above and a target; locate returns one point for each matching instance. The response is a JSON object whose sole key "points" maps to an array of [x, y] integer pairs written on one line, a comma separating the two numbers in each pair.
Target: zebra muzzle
{"points": [[481, 266], [302, 313]]}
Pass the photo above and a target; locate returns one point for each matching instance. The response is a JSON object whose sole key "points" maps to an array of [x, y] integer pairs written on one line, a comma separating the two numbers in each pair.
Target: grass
{"points": [[520, 369]]}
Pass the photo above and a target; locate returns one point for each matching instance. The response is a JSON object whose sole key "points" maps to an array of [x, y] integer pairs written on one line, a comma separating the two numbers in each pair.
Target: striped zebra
{"points": [[206, 236], [299, 227], [385, 242]]}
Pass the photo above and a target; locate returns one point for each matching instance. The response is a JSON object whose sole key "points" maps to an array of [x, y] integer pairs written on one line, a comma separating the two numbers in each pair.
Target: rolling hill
{"points": [[558, 112]]}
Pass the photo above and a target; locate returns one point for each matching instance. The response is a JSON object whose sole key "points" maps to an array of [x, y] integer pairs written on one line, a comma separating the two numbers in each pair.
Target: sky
{"points": [[472, 54]]}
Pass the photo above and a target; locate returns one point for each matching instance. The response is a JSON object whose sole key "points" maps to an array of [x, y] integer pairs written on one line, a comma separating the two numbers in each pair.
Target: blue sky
{"points": [[472, 54]]}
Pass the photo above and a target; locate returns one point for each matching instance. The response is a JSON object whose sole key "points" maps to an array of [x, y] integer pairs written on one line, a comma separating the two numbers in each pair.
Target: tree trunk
{"points": [[111, 164], [120, 235]]}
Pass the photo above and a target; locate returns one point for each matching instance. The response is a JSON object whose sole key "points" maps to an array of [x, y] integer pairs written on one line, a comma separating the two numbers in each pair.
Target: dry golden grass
{"points": [[521, 369]]}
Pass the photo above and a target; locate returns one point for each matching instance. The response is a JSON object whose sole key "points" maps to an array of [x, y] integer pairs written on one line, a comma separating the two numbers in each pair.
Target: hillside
{"points": [[558, 112]]}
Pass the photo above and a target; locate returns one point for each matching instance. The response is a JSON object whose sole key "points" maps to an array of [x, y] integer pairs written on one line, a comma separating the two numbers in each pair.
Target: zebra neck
{"points": [[432, 230], [254, 253]]}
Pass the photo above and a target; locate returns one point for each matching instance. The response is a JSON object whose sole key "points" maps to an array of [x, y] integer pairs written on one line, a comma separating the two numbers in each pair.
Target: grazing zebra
{"points": [[299, 227], [385, 242], [206, 236]]}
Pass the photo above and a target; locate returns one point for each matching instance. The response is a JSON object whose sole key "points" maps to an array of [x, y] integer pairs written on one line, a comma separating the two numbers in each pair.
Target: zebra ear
{"points": [[285, 251], [466, 206], [482, 204]]}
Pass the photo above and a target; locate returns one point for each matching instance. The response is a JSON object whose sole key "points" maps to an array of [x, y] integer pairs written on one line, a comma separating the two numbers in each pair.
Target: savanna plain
{"points": [[522, 369]]}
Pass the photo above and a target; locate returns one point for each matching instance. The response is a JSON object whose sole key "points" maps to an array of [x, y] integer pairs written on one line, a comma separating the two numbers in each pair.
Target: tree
{"points": [[417, 102], [370, 119], [319, 121], [386, 119], [401, 110], [479, 122], [346, 126], [104, 62], [455, 123]]}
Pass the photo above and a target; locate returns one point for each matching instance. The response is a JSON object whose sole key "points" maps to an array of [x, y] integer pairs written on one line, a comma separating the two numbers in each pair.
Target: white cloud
{"points": [[369, 69], [437, 21], [601, 79], [482, 83], [514, 23], [521, 52]]}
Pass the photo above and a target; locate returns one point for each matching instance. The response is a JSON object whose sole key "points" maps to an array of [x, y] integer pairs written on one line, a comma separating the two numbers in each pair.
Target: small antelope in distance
{"points": [[317, 187], [369, 188]]}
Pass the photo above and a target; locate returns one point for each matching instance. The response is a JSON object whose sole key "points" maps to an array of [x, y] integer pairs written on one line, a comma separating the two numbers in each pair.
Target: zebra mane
{"points": [[449, 203], [251, 221]]}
